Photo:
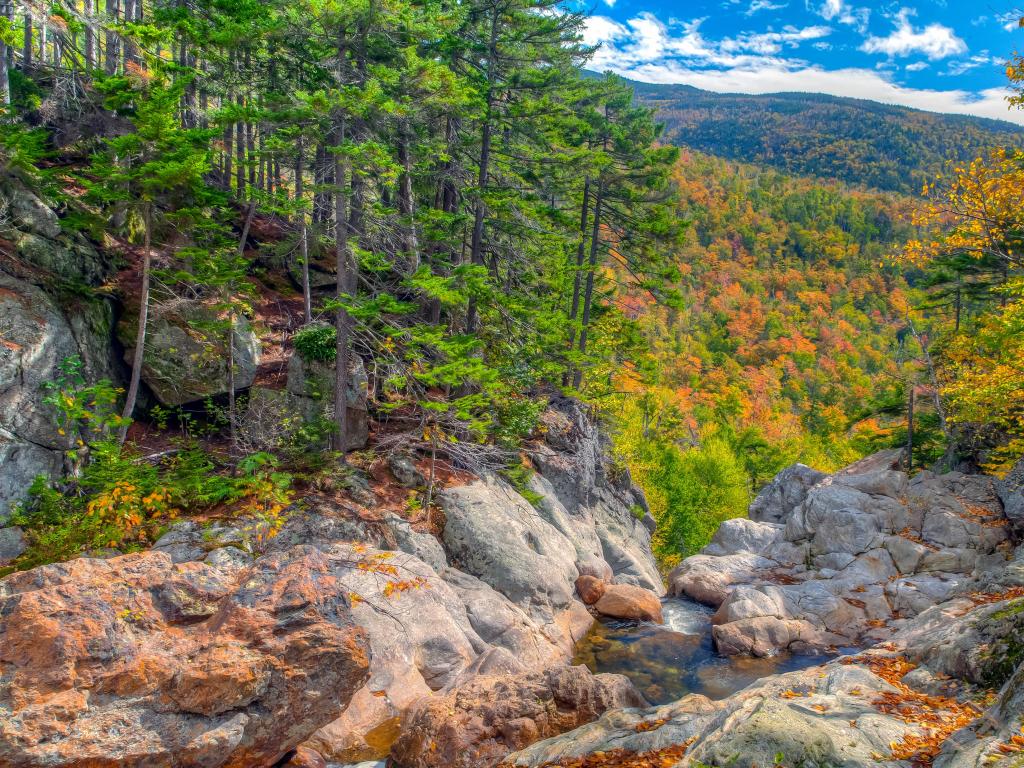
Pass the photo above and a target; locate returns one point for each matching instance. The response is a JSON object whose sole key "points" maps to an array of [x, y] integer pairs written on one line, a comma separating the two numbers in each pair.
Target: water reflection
{"points": [[667, 662]]}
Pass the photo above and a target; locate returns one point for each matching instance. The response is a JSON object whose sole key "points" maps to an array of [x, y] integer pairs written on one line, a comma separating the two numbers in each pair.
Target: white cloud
{"points": [[935, 41], [1010, 21], [982, 59], [841, 12], [917, 66], [756, 6], [647, 49], [852, 82]]}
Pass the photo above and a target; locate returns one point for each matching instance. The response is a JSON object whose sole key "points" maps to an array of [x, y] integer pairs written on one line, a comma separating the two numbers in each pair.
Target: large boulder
{"points": [[46, 251], [1011, 493], [423, 640], [186, 356], [625, 601], [138, 661], [495, 534], [36, 338], [591, 499], [862, 551], [476, 724], [784, 493], [310, 395]]}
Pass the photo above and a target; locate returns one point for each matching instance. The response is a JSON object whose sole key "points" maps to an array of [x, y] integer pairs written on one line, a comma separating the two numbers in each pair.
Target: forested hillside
{"points": [[856, 141], [788, 346]]}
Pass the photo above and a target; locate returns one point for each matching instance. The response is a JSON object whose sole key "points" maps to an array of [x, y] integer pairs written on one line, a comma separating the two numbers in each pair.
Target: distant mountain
{"points": [[859, 142]]}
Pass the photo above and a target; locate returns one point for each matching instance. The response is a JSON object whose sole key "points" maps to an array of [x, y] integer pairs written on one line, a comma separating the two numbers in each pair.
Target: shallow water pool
{"points": [[669, 661]]}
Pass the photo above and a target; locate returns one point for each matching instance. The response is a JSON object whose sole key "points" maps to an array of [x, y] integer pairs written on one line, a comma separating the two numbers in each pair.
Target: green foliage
{"points": [[85, 413], [316, 342], [122, 501], [519, 476]]}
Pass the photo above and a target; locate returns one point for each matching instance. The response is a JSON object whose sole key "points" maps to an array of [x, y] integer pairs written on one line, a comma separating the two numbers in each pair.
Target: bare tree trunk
{"points": [[910, 428], [90, 35], [26, 43], [111, 53], [406, 204], [128, 53], [341, 321], [240, 158], [7, 9], [140, 335], [476, 244], [588, 296], [577, 279], [307, 298], [232, 409]]}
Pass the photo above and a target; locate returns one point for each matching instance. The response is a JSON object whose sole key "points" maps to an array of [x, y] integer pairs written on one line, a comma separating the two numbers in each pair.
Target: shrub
{"points": [[316, 343]]}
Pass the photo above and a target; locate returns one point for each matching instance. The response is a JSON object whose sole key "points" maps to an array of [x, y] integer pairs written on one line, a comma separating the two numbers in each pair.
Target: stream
{"points": [[668, 661]]}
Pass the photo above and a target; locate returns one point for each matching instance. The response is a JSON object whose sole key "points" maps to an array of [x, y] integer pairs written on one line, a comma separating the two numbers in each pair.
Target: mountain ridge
{"points": [[858, 141]]}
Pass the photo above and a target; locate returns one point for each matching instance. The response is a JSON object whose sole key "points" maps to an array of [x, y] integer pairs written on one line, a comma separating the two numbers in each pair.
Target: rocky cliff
{"points": [[924, 574], [210, 656]]}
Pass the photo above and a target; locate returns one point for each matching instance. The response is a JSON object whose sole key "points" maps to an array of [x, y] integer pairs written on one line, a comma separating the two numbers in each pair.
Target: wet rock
{"points": [[477, 724], [95, 675], [590, 589], [624, 601]]}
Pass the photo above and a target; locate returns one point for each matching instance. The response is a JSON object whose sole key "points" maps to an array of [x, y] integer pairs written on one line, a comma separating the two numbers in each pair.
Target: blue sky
{"points": [[939, 55]]}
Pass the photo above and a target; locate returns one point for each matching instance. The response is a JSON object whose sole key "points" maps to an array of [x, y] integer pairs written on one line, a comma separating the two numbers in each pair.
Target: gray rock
{"points": [[784, 494], [12, 544], [742, 535], [906, 554], [20, 463], [310, 387], [421, 545], [846, 530], [493, 533], [184, 360], [1011, 493], [405, 471]]}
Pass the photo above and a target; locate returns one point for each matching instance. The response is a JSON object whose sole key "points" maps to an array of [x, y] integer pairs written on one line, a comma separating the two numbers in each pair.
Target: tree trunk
{"points": [[341, 320], [406, 204], [232, 410], [128, 52], [5, 78], [476, 244], [26, 43], [910, 428], [588, 296], [307, 298], [240, 158], [140, 335], [90, 35], [110, 64], [577, 279]]}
